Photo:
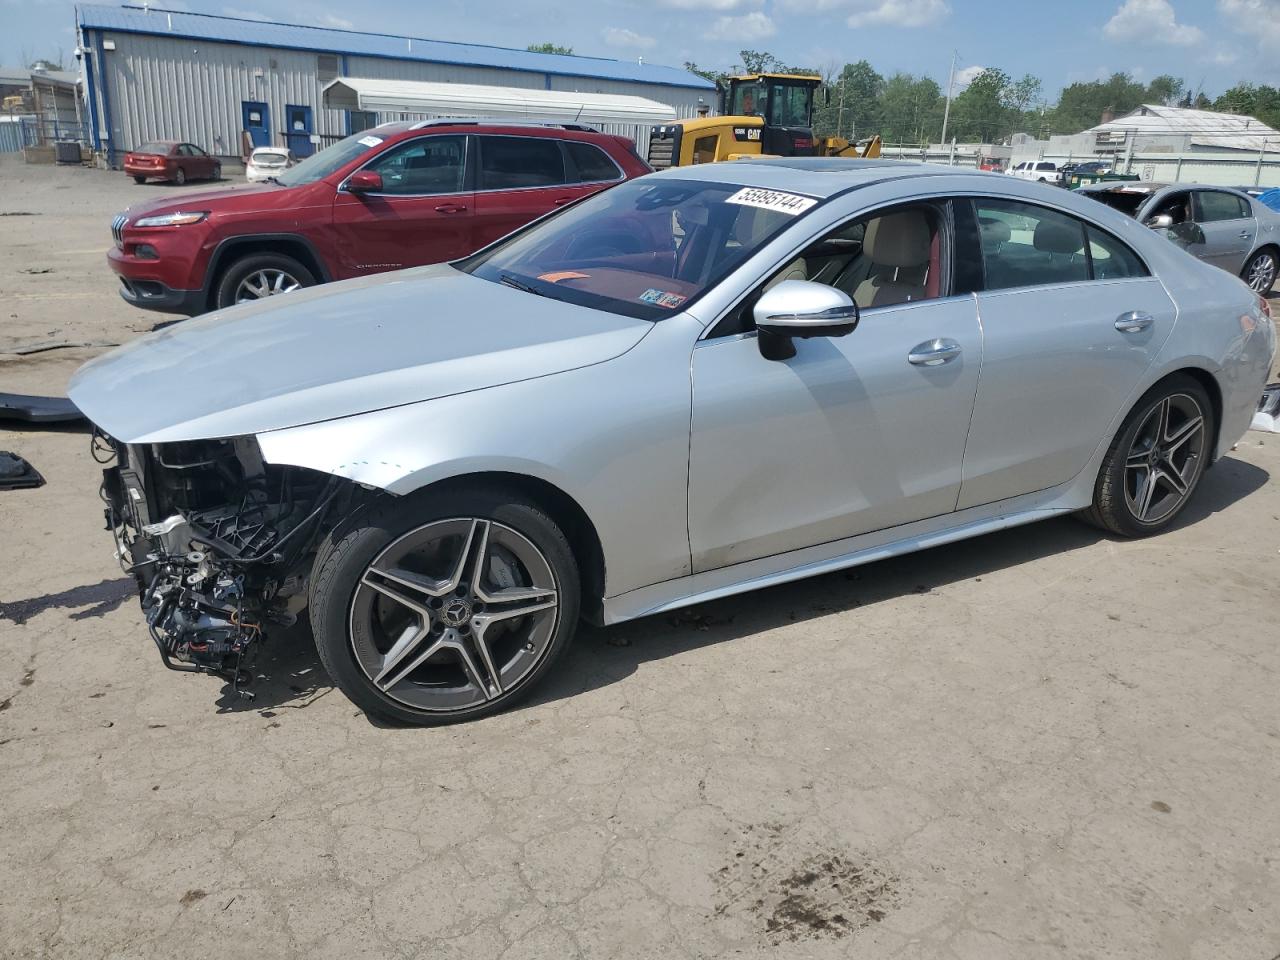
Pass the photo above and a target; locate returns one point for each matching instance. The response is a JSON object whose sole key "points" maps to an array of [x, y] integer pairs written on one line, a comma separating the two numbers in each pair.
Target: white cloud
{"points": [[1150, 21], [622, 37], [1257, 18], [717, 5], [900, 13], [744, 29], [338, 23], [966, 76]]}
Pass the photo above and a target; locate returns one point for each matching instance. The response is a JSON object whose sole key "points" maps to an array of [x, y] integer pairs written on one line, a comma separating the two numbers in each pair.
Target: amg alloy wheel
{"points": [[1156, 460], [452, 618], [1260, 272]]}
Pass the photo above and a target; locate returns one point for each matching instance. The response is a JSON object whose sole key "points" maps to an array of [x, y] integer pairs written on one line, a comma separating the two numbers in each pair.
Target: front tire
{"points": [[442, 607], [259, 276], [180, 177], [139, 179], [1156, 460], [217, 172], [1260, 272]]}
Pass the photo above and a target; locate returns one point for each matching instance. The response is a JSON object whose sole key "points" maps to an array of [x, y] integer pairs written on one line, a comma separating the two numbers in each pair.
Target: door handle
{"points": [[451, 208], [1135, 321], [563, 200], [932, 353], [1245, 234]]}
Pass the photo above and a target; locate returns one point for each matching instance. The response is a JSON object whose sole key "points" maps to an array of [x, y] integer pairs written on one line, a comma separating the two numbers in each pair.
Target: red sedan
{"points": [[171, 160]]}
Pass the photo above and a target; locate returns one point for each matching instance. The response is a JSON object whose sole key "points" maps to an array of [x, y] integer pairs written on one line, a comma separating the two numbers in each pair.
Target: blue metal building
{"points": [[151, 74]]}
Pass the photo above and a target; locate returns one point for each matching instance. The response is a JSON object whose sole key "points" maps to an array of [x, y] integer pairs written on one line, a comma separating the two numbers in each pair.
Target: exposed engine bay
{"points": [[219, 542]]}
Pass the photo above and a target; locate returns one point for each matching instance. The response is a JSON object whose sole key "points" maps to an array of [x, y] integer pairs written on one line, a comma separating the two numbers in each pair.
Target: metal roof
{"points": [[21, 75], [200, 26], [472, 100], [1205, 128]]}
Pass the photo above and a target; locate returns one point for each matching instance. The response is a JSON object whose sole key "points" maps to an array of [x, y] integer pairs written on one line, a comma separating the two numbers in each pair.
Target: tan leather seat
{"points": [[899, 246]]}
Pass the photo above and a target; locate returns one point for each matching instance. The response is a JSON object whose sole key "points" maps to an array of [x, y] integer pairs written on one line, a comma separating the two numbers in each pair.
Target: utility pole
{"points": [[951, 84], [840, 114]]}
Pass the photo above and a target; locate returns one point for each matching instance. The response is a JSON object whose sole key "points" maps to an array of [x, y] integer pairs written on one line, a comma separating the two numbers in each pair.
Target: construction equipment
{"points": [[764, 115]]}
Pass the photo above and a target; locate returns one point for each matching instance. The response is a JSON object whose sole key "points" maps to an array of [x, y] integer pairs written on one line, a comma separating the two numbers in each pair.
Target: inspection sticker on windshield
{"points": [[661, 298], [370, 141], [791, 204]]}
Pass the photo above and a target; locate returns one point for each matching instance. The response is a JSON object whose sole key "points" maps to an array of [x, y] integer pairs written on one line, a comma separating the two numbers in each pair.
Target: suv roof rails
{"points": [[498, 122]]}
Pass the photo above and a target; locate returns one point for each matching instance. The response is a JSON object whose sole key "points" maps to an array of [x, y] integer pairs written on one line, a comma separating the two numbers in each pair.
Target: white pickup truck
{"points": [[1045, 171]]}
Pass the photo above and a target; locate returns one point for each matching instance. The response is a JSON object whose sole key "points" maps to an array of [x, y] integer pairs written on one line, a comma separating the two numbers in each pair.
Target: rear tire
{"points": [[261, 275], [453, 555], [180, 177], [1260, 272], [217, 172], [1156, 460], [139, 179]]}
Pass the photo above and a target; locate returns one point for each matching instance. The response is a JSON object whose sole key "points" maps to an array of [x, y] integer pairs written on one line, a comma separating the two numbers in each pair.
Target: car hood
{"points": [[338, 350], [202, 199]]}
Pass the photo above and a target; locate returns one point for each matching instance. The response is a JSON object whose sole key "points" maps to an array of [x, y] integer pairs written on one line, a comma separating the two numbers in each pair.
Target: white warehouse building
{"points": [[225, 83]]}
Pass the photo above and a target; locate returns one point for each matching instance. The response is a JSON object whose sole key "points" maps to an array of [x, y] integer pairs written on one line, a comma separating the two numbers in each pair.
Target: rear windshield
{"points": [[331, 159], [161, 148], [644, 248]]}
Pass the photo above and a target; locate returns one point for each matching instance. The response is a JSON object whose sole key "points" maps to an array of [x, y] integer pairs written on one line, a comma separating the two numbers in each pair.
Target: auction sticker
{"points": [[370, 141], [559, 275], [662, 298], [791, 204]]}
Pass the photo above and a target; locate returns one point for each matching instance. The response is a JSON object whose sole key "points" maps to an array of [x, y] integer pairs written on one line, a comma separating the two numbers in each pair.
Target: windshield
{"points": [[1125, 202], [330, 159], [791, 105], [750, 99], [645, 248]]}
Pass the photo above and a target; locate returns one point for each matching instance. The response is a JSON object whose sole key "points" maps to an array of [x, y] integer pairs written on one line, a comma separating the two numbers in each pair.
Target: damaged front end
{"points": [[219, 542]]}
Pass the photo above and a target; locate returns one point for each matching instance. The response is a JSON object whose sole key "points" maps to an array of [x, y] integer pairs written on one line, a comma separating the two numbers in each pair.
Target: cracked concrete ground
{"points": [[1041, 743]]}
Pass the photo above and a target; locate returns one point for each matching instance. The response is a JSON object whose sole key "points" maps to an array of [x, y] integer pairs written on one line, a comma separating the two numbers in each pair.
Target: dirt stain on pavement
{"points": [[191, 896], [99, 598], [796, 892]]}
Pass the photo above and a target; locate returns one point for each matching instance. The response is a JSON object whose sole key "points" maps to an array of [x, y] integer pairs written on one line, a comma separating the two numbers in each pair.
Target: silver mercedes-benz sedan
{"points": [[697, 383]]}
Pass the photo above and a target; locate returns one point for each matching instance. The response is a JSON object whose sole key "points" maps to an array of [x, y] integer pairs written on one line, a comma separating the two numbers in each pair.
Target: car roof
{"points": [[397, 128], [818, 176]]}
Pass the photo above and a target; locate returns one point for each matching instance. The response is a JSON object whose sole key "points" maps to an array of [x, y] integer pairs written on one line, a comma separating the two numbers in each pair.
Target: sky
{"points": [[1211, 44]]}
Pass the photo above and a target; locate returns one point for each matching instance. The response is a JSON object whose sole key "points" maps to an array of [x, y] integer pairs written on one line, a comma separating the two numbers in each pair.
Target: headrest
{"points": [[1053, 236], [994, 232], [900, 239]]}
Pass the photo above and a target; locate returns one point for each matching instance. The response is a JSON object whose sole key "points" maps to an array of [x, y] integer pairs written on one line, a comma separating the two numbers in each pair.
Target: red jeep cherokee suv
{"points": [[398, 195]]}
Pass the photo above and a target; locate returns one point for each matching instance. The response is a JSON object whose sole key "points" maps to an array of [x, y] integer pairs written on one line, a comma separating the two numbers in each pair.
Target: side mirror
{"points": [[800, 308], [364, 181]]}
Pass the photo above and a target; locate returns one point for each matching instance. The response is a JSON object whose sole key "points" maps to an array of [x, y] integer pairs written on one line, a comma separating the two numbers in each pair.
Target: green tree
{"points": [[549, 48], [1082, 105], [1165, 89], [981, 113], [910, 109], [718, 77], [854, 109]]}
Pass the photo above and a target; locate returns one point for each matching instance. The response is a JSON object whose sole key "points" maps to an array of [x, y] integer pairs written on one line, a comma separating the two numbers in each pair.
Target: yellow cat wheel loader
{"points": [[765, 115]]}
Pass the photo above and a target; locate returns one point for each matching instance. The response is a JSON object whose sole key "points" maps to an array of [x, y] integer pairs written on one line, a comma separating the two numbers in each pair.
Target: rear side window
{"points": [[1026, 246], [592, 163], [1111, 259], [510, 163], [1214, 206]]}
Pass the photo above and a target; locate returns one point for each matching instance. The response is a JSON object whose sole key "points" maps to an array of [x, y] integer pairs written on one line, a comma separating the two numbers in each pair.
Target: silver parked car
{"points": [[696, 383], [1220, 225]]}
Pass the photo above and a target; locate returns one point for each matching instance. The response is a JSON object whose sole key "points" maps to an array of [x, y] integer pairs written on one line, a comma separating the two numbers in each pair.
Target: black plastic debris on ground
{"points": [[16, 473], [21, 406]]}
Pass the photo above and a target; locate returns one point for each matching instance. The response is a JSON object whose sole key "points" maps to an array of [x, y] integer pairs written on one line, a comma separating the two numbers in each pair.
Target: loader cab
{"points": [[761, 113], [783, 101]]}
